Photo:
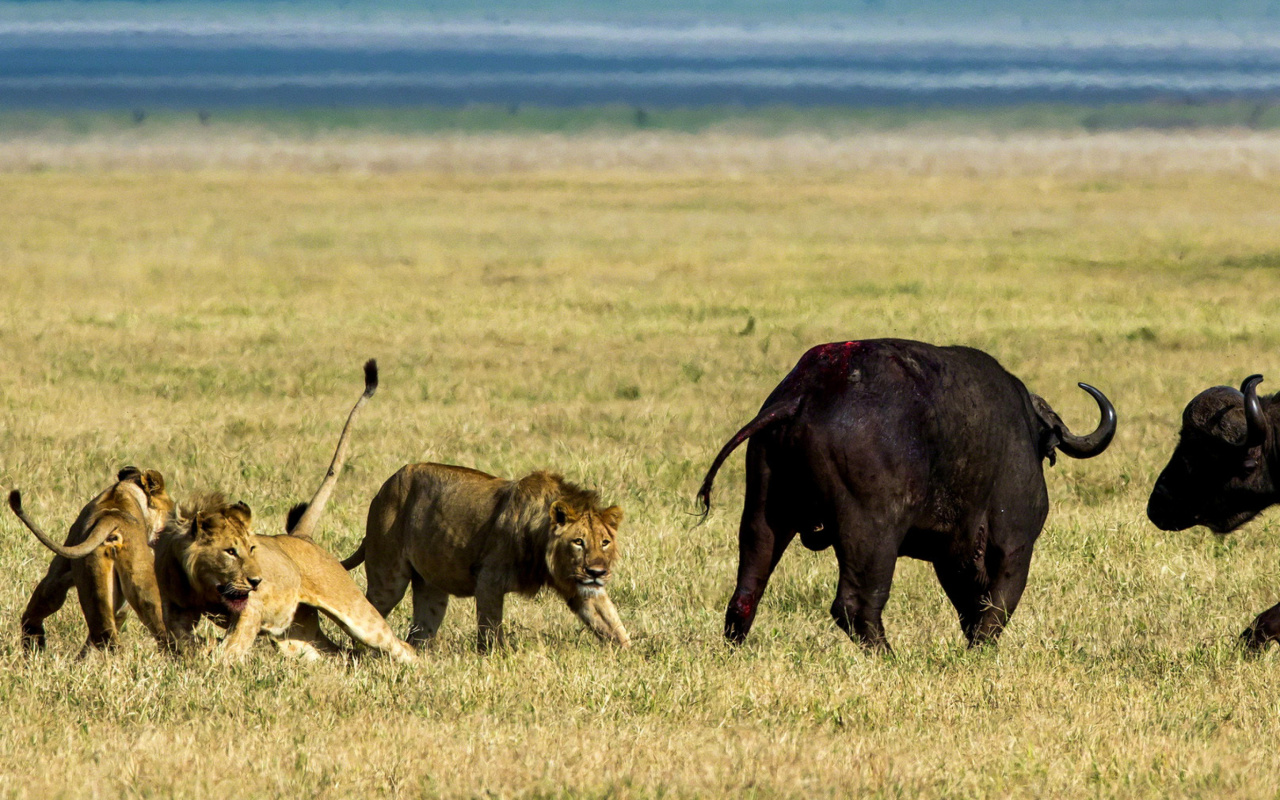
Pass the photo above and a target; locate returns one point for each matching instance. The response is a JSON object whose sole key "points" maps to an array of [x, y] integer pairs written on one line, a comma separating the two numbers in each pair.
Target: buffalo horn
{"points": [[1094, 443], [1256, 433]]}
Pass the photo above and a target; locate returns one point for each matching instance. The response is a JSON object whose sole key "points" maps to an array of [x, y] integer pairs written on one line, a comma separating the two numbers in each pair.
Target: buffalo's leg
{"points": [[47, 598], [1266, 628], [759, 549], [1008, 580], [966, 596], [761, 544], [867, 560]]}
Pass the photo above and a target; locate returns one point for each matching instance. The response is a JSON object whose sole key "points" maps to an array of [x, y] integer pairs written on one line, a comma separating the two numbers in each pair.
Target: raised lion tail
{"points": [[355, 559], [99, 533], [783, 409], [295, 514], [305, 525]]}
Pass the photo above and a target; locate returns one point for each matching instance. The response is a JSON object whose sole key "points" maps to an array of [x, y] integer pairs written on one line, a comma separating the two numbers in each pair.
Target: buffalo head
{"points": [[1220, 472]]}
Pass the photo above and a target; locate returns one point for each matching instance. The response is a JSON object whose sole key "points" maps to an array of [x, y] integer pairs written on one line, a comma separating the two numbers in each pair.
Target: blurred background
{"points": [[572, 64]]}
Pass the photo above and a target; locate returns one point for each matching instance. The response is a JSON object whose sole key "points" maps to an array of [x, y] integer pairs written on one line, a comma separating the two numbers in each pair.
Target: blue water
{"points": [[106, 66]]}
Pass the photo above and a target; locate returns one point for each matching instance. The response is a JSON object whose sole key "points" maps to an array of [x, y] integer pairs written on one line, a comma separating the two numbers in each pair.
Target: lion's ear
{"points": [[239, 511], [612, 516], [152, 482], [562, 514], [129, 474]]}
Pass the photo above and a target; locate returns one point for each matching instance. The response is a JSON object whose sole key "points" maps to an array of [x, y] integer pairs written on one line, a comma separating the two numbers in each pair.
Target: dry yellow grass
{"points": [[208, 318], [915, 150]]}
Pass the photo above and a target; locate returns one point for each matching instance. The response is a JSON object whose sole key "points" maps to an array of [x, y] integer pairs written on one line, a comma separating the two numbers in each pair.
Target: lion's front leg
{"points": [[489, 599], [180, 625], [598, 613], [242, 631]]}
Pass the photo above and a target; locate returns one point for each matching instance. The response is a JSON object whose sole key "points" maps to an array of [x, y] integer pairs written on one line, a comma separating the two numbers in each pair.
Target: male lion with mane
{"points": [[209, 563], [456, 531], [107, 557]]}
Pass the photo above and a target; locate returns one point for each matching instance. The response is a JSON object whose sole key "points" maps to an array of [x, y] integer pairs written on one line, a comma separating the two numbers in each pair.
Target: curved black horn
{"points": [[1094, 443], [1257, 421]]}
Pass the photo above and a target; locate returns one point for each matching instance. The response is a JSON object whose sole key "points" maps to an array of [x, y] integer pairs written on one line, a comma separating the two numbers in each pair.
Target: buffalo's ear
{"points": [[130, 474], [240, 512], [612, 516], [152, 482], [1050, 428], [562, 514]]}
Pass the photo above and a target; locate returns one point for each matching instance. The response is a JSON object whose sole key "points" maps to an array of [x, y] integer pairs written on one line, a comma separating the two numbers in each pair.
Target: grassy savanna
{"points": [[209, 318]]}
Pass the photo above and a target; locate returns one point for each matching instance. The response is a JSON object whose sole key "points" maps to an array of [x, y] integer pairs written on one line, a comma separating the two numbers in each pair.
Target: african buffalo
{"points": [[888, 448], [1221, 472]]}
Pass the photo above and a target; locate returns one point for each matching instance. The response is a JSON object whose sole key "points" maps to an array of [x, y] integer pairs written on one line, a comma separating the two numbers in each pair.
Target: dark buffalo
{"points": [[888, 448], [1221, 472]]}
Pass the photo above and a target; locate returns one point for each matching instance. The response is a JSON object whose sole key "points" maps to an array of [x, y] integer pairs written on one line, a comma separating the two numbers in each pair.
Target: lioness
{"points": [[209, 563], [107, 557], [457, 531]]}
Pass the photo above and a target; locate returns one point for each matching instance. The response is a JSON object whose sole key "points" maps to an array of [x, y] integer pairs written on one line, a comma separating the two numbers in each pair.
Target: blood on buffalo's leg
{"points": [[761, 543], [1266, 628], [1008, 580]]}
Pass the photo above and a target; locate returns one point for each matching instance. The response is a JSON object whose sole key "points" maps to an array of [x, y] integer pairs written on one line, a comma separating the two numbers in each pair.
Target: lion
{"points": [[210, 563], [107, 557], [454, 531]]}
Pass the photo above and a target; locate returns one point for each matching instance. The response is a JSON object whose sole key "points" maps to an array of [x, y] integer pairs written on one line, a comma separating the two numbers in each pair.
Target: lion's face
{"points": [[583, 548], [220, 561]]}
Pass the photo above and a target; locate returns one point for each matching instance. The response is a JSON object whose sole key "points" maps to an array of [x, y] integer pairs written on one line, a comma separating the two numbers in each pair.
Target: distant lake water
{"points": [[105, 66]]}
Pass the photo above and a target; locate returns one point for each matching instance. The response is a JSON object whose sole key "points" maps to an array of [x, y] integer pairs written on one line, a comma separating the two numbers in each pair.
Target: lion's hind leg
{"points": [[305, 640], [136, 578], [100, 599], [48, 597], [345, 605], [388, 580]]}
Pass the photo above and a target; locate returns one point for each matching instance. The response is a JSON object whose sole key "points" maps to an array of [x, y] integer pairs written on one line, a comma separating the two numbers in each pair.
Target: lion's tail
{"points": [[355, 559], [99, 535], [305, 524], [769, 415], [351, 562], [295, 514]]}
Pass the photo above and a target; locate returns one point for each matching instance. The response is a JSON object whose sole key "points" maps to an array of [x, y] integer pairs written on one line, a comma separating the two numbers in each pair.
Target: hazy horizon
{"points": [[219, 53]]}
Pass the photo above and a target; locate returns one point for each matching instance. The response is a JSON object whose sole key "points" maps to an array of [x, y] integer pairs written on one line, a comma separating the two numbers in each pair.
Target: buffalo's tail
{"points": [[783, 409], [355, 559]]}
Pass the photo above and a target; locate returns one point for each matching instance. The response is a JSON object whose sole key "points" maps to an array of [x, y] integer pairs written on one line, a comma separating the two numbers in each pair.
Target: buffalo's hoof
{"points": [[1255, 638], [735, 633], [33, 638], [739, 616], [1265, 629]]}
